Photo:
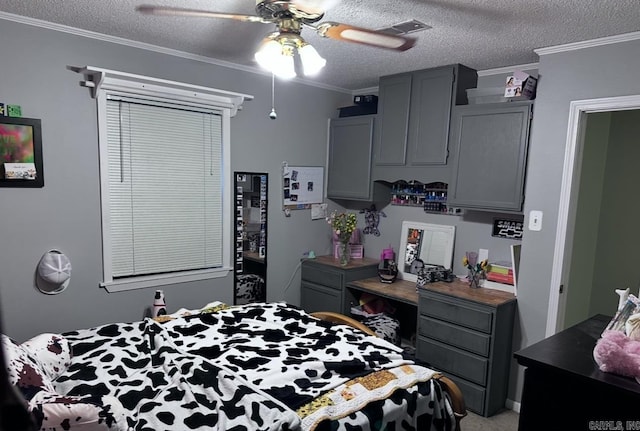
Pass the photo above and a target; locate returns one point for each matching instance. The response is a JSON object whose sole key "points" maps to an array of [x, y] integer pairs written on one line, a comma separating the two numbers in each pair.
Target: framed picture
{"points": [[21, 152]]}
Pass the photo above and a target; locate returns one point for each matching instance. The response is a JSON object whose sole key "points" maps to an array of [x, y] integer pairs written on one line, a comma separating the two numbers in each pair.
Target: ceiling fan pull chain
{"points": [[273, 114]]}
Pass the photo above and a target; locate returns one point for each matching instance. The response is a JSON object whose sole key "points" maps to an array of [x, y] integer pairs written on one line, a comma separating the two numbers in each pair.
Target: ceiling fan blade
{"points": [[173, 11], [349, 33]]}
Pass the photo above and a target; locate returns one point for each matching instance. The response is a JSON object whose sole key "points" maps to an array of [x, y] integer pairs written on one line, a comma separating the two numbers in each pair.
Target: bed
{"points": [[259, 366]]}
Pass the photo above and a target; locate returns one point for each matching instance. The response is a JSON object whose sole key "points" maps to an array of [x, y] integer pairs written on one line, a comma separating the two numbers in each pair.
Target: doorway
{"points": [[250, 266], [583, 235]]}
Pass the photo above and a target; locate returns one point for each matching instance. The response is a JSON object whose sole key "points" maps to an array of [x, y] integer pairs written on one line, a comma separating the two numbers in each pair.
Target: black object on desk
{"points": [[565, 389]]}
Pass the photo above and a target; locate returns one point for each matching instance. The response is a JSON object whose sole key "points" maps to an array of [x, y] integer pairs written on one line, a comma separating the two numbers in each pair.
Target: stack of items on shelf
{"points": [[432, 197], [499, 275]]}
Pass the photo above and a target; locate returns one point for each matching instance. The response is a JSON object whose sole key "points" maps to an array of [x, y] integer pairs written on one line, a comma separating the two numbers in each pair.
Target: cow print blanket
{"points": [[248, 367]]}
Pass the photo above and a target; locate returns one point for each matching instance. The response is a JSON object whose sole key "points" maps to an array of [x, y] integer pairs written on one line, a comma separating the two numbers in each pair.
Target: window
{"points": [[165, 180]]}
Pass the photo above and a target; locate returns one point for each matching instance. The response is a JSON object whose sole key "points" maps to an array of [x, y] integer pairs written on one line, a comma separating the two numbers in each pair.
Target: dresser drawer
{"points": [[476, 342], [455, 361], [456, 312], [322, 276], [474, 395], [315, 297]]}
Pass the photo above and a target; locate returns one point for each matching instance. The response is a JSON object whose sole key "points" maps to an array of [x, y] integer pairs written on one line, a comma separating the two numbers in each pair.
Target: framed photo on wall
{"points": [[21, 152]]}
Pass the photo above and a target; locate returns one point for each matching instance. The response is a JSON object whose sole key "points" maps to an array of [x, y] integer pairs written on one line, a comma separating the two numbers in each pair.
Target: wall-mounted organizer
{"points": [[432, 197]]}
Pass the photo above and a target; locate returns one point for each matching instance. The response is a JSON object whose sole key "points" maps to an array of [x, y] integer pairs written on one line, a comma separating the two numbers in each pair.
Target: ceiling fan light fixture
{"points": [[277, 58], [312, 62], [277, 51], [268, 51], [285, 67]]}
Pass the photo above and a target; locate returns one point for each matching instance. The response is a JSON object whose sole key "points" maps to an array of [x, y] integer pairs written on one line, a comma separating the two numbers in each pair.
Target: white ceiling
{"points": [[482, 34]]}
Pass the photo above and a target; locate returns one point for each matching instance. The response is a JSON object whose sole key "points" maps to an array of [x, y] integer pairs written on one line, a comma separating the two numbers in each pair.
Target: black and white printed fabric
{"points": [[252, 367]]}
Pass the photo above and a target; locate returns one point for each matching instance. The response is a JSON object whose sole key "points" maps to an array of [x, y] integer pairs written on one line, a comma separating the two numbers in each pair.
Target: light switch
{"points": [[535, 220]]}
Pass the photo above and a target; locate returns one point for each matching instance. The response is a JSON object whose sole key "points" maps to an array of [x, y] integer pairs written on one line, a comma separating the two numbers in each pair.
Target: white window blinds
{"points": [[165, 188]]}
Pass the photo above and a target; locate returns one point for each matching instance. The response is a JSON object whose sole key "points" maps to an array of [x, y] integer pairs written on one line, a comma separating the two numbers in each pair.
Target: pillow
{"points": [[23, 370], [51, 351], [56, 412]]}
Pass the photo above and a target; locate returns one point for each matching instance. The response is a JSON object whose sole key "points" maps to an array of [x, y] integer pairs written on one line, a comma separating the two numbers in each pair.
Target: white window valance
{"points": [[98, 78]]}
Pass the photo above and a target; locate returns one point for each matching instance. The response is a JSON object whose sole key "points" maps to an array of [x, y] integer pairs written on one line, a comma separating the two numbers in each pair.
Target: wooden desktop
{"points": [[406, 292], [399, 290]]}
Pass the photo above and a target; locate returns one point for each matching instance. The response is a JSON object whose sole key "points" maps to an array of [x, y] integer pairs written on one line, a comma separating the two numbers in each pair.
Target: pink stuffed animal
{"points": [[616, 353]]}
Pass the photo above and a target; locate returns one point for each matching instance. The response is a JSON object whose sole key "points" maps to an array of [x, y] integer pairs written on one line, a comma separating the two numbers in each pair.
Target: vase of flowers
{"points": [[476, 269], [343, 225]]}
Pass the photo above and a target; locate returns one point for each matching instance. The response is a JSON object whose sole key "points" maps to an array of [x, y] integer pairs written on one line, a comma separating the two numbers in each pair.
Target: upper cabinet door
{"points": [[431, 94], [393, 113], [349, 164], [490, 143], [414, 110]]}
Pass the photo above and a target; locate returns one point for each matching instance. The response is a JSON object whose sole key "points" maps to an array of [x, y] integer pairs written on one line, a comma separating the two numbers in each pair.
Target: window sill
{"points": [[163, 279]]}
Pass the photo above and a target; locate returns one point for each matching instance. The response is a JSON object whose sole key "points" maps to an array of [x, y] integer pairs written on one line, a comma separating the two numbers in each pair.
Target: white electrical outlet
{"points": [[535, 220]]}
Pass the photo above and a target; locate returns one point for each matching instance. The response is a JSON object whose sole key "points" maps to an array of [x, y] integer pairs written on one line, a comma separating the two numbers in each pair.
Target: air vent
{"points": [[406, 27]]}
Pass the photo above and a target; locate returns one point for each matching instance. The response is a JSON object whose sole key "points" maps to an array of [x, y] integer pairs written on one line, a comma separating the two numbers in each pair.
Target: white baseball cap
{"points": [[54, 272]]}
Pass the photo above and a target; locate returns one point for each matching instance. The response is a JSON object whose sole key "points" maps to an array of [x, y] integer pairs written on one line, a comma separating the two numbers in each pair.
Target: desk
{"points": [[405, 291], [400, 290], [463, 332], [563, 382]]}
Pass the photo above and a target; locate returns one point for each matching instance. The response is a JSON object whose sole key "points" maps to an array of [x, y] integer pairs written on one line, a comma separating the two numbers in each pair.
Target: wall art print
{"points": [[21, 152]]}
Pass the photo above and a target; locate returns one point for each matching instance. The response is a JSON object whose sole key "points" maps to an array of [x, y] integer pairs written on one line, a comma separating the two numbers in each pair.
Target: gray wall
{"points": [[595, 72], [65, 214]]}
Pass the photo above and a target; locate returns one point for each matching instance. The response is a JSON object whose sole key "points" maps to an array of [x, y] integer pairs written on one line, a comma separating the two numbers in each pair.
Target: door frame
{"points": [[578, 111]]}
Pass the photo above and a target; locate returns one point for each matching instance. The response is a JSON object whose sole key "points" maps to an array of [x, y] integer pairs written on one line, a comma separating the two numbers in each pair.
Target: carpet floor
{"points": [[506, 420]]}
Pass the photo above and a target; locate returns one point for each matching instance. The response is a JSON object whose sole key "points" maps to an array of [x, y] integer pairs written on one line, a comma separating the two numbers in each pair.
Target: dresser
{"points": [[323, 282], [562, 381], [467, 334]]}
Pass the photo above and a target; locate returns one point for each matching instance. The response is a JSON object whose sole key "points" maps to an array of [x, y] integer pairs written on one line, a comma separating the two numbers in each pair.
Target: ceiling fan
{"points": [[290, 16]]}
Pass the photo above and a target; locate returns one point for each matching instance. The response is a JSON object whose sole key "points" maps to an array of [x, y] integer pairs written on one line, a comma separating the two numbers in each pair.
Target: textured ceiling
{"points": [[482, 34]]}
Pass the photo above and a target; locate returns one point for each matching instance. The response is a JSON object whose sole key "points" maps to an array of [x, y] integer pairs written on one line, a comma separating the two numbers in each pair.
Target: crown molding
{"points": [[368, 90], [507, 69], [609, 40], [149, 47]]}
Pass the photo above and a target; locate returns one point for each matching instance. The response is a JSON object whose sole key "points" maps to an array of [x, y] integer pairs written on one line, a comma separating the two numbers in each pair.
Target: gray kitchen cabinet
{"points": [[411, 139], [349, 161], [489, 156], [467, 334], [323, 282]]}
